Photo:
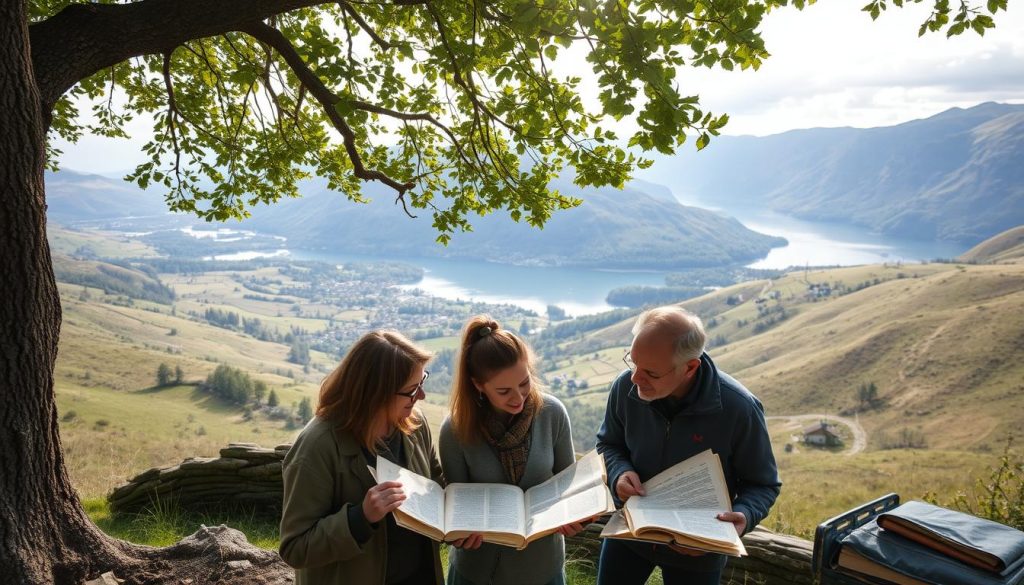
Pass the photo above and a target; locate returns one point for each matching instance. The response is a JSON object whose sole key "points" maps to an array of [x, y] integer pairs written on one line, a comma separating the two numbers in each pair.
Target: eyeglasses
{"points": [[628, 360], [412, 394]]}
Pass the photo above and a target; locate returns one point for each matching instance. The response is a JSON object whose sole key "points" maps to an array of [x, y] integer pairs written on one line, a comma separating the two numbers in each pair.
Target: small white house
{"points": [[822, 434]]}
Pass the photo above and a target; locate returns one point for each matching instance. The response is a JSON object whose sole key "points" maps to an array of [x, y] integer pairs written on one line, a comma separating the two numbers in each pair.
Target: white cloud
{"points": [[832, 66]]}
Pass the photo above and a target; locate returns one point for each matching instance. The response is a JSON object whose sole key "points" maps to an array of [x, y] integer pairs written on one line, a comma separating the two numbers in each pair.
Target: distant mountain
{"points": [[615, 229], [73, 196], [956, 176], [642, 226]]}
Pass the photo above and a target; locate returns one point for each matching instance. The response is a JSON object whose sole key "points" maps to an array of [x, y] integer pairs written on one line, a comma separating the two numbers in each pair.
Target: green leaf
{"points": [[526, 12]]}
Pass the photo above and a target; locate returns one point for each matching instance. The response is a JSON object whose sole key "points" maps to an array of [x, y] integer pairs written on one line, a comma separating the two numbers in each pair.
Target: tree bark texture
{"points": [[83, 39], [43, 530], [45, 535]]}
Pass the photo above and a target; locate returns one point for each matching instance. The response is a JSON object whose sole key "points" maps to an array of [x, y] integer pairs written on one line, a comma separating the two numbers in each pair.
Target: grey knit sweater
{"points": [[550, 452]]}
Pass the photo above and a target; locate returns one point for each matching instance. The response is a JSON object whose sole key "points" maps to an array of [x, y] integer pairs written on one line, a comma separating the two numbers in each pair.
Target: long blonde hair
{"points": [[359, 391], [486, 350]]}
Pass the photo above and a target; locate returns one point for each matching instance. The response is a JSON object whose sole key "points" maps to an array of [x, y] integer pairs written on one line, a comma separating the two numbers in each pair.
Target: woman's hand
{"points": [[382, 499], [576, 527], [473, 541]]}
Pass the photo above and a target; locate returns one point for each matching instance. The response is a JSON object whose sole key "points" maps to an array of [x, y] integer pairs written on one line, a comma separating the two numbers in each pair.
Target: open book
{"points": [[680, 507], [503, 513]]}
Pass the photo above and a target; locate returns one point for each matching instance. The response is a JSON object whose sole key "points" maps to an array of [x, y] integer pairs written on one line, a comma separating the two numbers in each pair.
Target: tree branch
{"points": [[172, 111], [368, 107], [365, 26], [328, 100], [82, 39]]}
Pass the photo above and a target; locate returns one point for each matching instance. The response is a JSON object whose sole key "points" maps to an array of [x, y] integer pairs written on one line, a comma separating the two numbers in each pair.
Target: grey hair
{"points": [[686, 327]]}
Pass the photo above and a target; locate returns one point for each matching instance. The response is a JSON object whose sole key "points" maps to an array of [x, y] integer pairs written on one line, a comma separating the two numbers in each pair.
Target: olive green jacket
{"points": [[325, 472]]}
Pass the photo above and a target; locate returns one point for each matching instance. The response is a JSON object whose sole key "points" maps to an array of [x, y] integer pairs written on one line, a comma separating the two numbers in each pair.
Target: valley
{"points": [[938, 341]]}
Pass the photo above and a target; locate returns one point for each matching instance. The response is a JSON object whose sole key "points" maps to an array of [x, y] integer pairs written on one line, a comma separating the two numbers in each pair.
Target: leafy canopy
{"points": [[461, 107]]}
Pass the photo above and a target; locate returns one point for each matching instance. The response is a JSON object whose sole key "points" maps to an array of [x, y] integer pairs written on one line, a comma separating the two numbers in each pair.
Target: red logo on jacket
{"points": [[698, 438]]}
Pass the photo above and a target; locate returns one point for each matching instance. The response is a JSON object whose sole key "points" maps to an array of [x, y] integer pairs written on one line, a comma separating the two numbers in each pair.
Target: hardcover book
{"points": [[680, 506], [503, 513]]}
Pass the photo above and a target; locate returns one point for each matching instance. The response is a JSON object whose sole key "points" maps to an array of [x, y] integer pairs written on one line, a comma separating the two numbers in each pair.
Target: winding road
{"points": [[860, 437]]}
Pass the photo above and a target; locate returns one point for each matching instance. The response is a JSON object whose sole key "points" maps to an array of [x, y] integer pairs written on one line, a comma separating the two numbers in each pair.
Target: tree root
{"points": [[218, 554]]}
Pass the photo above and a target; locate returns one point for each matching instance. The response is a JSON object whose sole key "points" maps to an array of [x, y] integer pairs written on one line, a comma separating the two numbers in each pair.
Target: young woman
{"points": [[336, 525], [503, 430]]}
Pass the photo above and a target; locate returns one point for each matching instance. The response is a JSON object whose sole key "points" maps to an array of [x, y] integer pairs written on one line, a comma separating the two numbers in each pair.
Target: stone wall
{"points": [[245, 475], [249, 476]]}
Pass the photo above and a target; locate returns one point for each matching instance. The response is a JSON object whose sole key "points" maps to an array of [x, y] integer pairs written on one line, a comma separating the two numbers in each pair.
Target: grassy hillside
{"points": [[943, 344], [99, 244], [116, 424], [1007, 247], [943, 349]]}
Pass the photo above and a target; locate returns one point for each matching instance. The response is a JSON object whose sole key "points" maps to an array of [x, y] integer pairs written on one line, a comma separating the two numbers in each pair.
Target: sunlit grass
{"points": [[163, 525]]}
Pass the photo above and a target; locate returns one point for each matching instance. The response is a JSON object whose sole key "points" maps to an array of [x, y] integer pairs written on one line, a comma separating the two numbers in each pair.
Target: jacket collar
{"points": [[347, 443], [707, 388], [349, 447]]}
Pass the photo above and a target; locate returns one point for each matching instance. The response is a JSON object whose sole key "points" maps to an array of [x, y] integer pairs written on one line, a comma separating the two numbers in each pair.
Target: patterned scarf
{"points": [[511, 440]]}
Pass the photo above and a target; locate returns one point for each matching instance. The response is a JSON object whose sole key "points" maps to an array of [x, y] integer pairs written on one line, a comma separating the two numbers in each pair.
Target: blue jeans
{"points": [[457, 579], [619, 565]]}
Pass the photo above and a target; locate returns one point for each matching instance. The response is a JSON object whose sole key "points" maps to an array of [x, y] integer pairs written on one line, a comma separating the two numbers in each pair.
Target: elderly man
{"points": [[671, 404]]}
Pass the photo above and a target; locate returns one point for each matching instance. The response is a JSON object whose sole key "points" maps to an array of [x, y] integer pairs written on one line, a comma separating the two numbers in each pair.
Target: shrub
{"points": [[998, 497], [69, 416]]}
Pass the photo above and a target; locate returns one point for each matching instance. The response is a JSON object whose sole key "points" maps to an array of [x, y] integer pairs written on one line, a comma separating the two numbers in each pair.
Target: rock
{"points": [[107, 578]]}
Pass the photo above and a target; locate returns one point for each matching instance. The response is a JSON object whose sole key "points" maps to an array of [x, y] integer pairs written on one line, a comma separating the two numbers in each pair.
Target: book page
{"points": [[547, 516], [616, 526], [424, 497], [701, 524], [697, 482], [484, 507], [685, 498], [587, 472]]}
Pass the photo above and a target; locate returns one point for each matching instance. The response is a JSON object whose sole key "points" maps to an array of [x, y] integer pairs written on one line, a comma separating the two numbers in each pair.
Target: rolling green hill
{"points": [[1007, 247], [116, 423], [642, 225], [942, 342]]}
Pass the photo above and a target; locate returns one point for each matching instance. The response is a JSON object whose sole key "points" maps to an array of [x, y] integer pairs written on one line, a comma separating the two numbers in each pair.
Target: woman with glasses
{"points": [[336, 525], [503, 430]]}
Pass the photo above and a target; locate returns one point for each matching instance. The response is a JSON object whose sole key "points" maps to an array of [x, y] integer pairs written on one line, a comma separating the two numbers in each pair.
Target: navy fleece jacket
{"points": [[718, 414]]}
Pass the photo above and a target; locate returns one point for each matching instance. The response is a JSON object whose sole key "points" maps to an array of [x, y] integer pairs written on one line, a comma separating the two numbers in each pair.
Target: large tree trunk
{"points": [[44, 532], [45, 535]]}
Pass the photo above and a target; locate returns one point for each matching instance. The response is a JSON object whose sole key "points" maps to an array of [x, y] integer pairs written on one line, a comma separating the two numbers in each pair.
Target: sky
{"points": [[830, 66]]}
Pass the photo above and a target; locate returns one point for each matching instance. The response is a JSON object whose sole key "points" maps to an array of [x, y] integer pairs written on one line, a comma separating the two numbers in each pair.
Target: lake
{"points": [[582, 291], [825, 244], [579, 291]]}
